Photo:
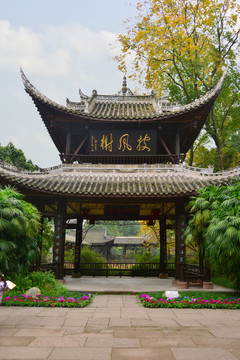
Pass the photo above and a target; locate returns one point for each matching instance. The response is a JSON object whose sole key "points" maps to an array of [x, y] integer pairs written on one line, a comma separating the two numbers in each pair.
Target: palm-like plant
{"points": [[215, 227], [222, 237], [19, 225]]}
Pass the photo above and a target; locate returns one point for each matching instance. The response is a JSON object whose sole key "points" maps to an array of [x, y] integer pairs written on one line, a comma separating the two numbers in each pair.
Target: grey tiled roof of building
{"points": [[121, 181], [121, 106]]}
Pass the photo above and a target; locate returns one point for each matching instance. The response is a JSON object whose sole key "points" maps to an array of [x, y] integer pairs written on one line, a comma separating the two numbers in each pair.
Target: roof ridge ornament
{"points": [[124, 85]]}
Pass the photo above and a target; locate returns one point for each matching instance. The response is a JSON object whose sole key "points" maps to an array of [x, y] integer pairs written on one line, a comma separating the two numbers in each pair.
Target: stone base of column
{"points": [[175, 282], [76, 275], [207, 285], [163, 276], [182, 285]]}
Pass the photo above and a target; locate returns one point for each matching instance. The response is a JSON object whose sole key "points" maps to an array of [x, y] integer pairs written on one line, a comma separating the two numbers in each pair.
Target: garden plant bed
{"points": [[48, 301], [193, 300]]}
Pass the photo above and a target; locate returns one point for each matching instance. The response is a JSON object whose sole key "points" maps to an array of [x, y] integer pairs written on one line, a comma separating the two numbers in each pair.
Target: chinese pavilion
{"points": [[122, 159]]}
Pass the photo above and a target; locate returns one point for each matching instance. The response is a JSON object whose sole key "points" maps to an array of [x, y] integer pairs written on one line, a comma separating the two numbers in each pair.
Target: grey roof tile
{"points": [[172, 181]]}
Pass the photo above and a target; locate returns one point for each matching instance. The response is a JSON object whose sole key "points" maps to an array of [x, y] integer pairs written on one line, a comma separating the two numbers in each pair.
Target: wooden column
{"points": [[59, 239], [39, 260], [78, 244], [181, 223], [163, 248], [68, 142], [177, 143]]}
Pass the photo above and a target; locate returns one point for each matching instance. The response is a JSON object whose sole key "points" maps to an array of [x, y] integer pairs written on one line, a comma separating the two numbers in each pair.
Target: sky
{"points": [[62, 46]]}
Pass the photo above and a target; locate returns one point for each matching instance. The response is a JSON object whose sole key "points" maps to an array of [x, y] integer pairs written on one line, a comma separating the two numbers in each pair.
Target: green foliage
{"points": [[183, 46], [193, 300], [16, 157], [222, 280], [19, 226], [117, 229], [48, 286], [215, 228], [90, 256], [47, 240], [87, 256], [45, 281], [147, 257]]}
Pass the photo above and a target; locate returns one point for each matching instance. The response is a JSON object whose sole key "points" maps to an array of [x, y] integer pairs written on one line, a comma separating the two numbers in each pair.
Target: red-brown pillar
{"points": [[78, 244], [163, 248], [181, 223], [59, 240]]}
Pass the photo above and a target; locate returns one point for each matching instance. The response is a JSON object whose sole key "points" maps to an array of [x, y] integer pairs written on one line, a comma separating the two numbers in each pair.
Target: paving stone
{"points": [[226, 333], [73, 330], [98, 322], [107, 313], [235, 352], [15, 341], [30, 320], [202, 353], [142, 322], [73, 353], [142, 354], [54, 312], [23, 311], [101, 342], [140, 334], [188, 332], [216, 342], [166, 323], [52, 321], [32, 353], [66, 341], [39, 332], [119, 323], [11, 321], [178, 341], [187, 322], [70, 321], [6, 311], [134, 313], [95, 328], [5, 331]]}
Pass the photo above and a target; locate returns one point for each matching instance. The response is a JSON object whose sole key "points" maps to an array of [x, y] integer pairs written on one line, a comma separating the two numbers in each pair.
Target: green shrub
{"points": [[45, 281], [147, 257], [90, 256]]}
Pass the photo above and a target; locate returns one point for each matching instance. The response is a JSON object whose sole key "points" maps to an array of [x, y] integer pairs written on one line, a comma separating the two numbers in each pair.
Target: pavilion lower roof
{"points": [[134, 181]]}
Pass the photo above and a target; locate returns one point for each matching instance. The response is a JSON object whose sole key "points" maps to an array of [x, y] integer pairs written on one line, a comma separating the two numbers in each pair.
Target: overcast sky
{"points": [[62, 46]]}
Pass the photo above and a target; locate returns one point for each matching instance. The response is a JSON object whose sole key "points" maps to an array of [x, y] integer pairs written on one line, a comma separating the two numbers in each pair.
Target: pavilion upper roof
{"points": [[88, 180], [124, 105]]}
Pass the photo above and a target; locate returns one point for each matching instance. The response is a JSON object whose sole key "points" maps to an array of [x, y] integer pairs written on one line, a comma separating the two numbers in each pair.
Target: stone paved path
{"points": [[117, 327]]}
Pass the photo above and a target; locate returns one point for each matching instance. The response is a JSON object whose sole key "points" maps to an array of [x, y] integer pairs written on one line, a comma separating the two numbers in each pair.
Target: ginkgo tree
{"points": [[183, 46]]}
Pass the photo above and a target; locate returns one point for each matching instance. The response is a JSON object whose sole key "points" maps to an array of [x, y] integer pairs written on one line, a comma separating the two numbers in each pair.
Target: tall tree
{"points": [[16, 157], [184, 46]]}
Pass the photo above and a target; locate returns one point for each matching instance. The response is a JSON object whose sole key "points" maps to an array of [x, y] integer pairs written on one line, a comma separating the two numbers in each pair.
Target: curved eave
{"points": [[110, 186], [39, 98]]}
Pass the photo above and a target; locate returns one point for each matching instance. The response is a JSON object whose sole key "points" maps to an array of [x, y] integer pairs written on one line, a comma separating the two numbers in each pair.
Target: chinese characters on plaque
{"points": [[120, 142], [182, 242], [57, 242]]}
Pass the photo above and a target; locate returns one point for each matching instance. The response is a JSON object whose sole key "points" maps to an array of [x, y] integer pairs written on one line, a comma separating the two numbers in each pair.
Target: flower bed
{"points": [[189, 302], [46, 301]]}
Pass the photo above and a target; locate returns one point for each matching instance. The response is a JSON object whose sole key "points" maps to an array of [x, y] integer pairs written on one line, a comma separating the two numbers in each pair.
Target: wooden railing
{"points": [[119, 269]]}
